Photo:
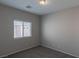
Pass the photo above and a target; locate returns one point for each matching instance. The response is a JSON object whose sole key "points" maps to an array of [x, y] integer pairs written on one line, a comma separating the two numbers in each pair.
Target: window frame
{"points": [[15, 37]]}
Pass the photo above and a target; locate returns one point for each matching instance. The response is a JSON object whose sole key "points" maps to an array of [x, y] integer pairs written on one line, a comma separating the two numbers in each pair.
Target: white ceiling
{"points": [[52, 6]]}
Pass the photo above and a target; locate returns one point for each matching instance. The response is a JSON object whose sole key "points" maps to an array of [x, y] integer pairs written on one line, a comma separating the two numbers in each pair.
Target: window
{"points": [[18, 29], [27, 29], [22, 29]]}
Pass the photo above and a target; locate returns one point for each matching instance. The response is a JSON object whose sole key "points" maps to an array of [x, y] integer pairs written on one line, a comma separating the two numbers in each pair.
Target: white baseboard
{"points": [[36, 46], [17, 51], [59, 50]]}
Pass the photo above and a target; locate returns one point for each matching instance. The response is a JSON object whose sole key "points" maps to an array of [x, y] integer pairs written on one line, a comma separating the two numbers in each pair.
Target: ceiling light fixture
{"points": [[43, 2]]}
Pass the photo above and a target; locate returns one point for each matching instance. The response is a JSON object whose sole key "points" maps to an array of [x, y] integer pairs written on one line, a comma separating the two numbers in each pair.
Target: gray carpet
{"points": [[39, 52]]}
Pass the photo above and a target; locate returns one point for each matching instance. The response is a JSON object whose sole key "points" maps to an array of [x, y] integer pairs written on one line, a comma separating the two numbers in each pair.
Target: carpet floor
{"points": [[39, 52]]}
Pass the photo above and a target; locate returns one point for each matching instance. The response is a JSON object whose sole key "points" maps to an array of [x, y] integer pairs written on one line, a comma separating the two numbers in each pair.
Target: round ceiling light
{"points": [[43, 2]]}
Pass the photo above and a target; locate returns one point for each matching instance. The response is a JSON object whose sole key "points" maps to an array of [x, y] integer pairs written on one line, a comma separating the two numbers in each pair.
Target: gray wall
{"points": [[7, 43], [60, 31]]}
